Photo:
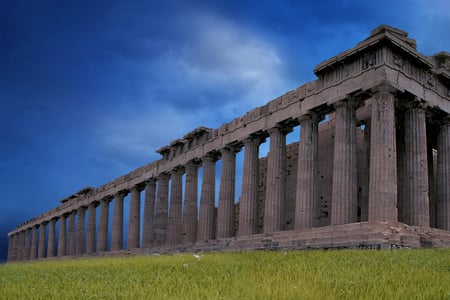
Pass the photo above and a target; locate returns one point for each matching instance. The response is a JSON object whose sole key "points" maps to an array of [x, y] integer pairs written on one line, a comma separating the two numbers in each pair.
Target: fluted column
{"points": [[34, 242], [225, 214], [71, 233], [416, 168], [443, 176], [344, 202], [51, 238], [62, 236], [134, 224], [383, 157], [190, 213], [149, 213], [80, 230], [431, 179], [364, 196], [26, 244], [102, 238], [90, 238], [161, 209], [41, 245], [248, 206], [14, 244], [276, 181], [206, 226], [174, 234], [117, 226], [307, 194], [10, 248]]}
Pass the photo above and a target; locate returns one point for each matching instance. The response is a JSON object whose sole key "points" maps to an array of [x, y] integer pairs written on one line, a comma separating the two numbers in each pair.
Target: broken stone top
{"points": [[83, 192], [402, 35]]}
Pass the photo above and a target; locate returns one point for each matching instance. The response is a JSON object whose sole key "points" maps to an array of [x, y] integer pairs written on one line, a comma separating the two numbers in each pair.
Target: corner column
{"points": [[51, 238], [383, 157], [416, 168], [276, 181], [190, 213], [174, 236], [248, 207], [80, 231], [443, 175], [90, 238], [22, 253], [62, 236], [41, 245], [307, 193], [117, 226], [225, 214], [161, 208], [149, 213], [206, 227]]}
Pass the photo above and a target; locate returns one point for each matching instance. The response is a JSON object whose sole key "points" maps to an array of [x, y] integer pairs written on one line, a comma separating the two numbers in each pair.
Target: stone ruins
{"points": [[371, 170]]}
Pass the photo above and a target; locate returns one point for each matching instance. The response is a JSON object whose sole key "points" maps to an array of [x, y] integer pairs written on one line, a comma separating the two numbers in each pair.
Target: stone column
{"points": [[161, 208], [344, 203], [174, 236], [62, 236], [71, 233], [248, 206], [117, 226], [416, 167], [431, 178], [134, 224], [80, 230], [307, 193], [383, 157], [276, 181], [364, 196], [102, 238], [51, 238], [41, 246], [225, 213], [206, 226], [14, 243], [443, 176], [10, 248], [190, 213], [34, 242], [149, 213], [26, 243], [90, 238]]}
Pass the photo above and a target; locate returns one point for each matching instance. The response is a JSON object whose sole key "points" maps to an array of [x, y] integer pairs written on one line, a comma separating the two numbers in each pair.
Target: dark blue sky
{"points": [[90, 89]]}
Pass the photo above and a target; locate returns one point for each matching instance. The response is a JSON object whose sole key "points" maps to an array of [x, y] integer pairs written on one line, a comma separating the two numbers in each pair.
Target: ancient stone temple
{"points": [[371, 170]]}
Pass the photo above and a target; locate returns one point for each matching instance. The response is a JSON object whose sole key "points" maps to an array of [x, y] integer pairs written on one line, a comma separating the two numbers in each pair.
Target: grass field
{"points": [[342, 274]]}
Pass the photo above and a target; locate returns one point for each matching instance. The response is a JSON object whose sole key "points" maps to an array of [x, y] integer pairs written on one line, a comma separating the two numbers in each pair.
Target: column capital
{"points": [[230, 149], [121, 194], [257, 139], [163, 176], [281, 128], [384, 88], [191, 165], [310, 115], [212, 156]]}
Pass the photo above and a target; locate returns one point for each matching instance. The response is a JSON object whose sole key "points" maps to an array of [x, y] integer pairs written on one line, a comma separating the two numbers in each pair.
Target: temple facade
{"points": [[371, 169]]}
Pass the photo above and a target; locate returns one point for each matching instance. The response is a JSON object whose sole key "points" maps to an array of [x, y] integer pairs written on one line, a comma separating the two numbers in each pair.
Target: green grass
{"points": [[344, 274]]}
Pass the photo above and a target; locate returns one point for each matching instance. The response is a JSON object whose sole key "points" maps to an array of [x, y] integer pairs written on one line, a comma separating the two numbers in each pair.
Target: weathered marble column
{"points": [[443, 176], [51, 238], [10, 248], [276, 181], [364, 196], [161, 209], [307, 193], [71, 233], [344, 203], [80, 230], [431, 178], [24, 252], [134, 221], [13, 248], [117, 226], [416, 167], [62, 236], [90, 238], [206, 226], [174, 236], [102, 238], [225, 213], [34, 242], [383, 157], [149, 213], [190, 212], [41, 245], [248, 206]]}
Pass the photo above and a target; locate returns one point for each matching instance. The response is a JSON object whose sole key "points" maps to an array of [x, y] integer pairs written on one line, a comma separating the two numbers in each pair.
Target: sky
{"points": [[90, 89]]}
